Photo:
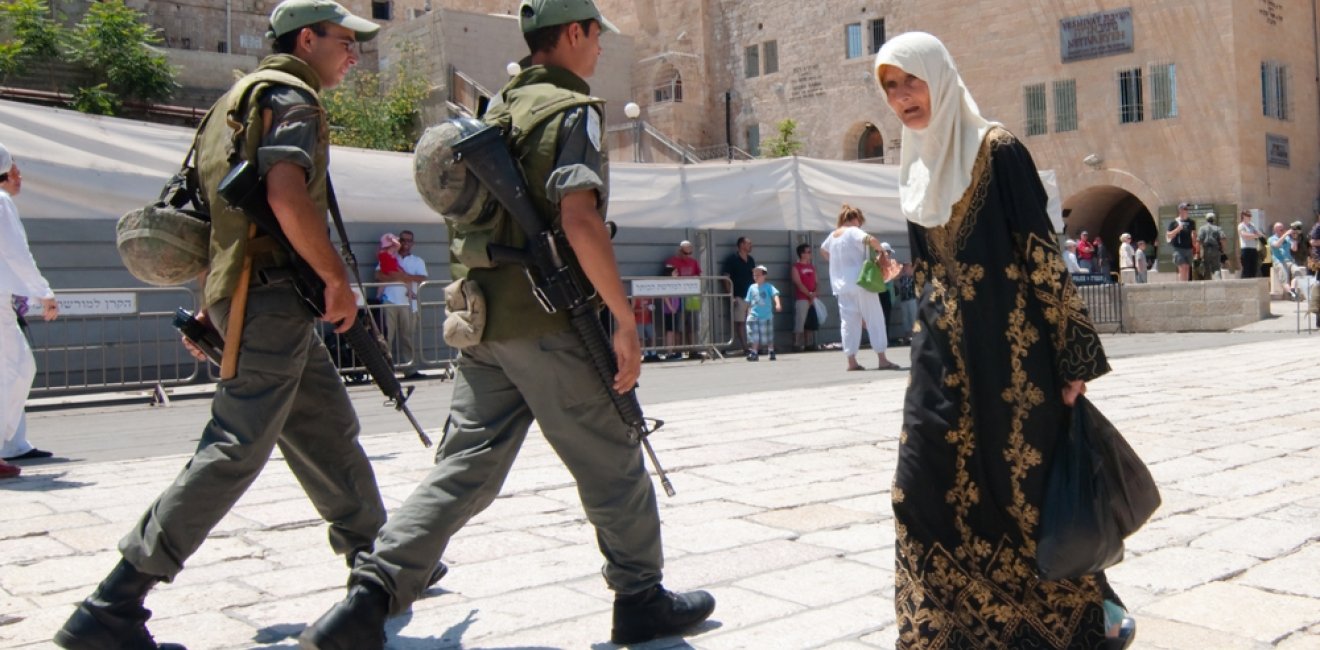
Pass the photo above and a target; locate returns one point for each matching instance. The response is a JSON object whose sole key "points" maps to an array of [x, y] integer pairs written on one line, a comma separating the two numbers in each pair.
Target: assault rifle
{"points": [[244, 188], [557, 285]]}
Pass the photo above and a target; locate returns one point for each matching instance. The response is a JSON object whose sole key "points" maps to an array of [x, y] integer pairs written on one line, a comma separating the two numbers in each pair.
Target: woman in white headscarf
{"points": [[18, 277], [1001, 349]]}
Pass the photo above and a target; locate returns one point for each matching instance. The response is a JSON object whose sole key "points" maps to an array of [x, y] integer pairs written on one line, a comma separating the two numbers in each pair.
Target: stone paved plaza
{"points": [[782, 512]]}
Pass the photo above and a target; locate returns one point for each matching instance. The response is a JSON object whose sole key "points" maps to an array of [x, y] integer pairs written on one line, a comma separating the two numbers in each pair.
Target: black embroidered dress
{"points": [[1000, 328]]}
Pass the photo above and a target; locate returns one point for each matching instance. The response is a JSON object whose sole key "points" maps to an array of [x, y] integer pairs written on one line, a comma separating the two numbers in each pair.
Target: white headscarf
{"points": [[6, 160], [935, 166]]}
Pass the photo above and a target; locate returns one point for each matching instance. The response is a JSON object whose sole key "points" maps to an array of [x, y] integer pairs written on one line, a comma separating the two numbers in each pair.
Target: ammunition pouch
{"points": [[465, 314]]}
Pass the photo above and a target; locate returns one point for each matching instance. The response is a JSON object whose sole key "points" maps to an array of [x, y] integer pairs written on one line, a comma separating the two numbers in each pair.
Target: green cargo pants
{"points": [[286, 393], [499, 388]]}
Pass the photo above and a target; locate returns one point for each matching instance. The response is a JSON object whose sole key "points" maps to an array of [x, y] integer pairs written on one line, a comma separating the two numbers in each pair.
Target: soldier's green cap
{"points": [[295, 14], [535, 14]]}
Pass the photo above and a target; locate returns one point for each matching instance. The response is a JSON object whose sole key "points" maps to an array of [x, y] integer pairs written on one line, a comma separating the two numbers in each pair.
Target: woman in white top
{"points": [[1127, 260], [845, 249], [1070, 257], [1249, 237]]}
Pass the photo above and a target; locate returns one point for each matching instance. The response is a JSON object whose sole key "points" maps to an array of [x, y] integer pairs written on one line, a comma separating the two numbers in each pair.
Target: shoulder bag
{"points": [[872, 277]]}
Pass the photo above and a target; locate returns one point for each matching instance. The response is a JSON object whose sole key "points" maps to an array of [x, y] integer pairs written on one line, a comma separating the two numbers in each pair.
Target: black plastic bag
{"points": [[1097, 493]]}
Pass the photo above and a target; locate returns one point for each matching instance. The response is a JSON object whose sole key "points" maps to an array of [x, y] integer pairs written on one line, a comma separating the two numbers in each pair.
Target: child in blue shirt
{"points": [[762, 301]]}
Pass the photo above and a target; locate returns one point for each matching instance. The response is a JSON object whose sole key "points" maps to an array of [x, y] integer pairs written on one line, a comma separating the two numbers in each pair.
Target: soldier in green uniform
{"points": [[531, 365], [285, 392]]}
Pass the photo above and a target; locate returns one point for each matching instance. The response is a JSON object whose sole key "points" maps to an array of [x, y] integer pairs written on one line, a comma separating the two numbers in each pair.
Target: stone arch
{"points": [[1109, 211], [863, 141]]}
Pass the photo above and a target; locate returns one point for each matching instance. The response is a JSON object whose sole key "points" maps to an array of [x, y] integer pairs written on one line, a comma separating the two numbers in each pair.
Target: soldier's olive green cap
{"points": [[535, 14], [295, 14]]}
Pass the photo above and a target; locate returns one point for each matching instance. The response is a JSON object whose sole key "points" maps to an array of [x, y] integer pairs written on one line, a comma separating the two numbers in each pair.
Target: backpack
{"points": [[471, 214]]}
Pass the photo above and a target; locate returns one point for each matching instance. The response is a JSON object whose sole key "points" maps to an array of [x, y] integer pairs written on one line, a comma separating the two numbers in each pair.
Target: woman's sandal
{"points": [[889, 365]]}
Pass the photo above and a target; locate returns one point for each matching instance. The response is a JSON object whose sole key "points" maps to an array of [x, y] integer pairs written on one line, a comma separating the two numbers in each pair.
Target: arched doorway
{"points": [[870, 144], [1110, 211], [863, 141]]}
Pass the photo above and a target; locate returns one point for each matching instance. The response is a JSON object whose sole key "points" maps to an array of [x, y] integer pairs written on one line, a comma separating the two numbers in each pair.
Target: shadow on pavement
{"points": [[40, 483]]}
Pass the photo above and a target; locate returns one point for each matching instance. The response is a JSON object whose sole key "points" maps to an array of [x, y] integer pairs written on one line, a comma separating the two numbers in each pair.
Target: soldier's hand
{"points": [[191, 347], [628, 352], [340, 307]]}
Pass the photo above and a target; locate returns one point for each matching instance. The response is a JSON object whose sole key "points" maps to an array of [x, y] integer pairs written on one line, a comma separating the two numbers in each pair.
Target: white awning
{"points": [[78, 166]]}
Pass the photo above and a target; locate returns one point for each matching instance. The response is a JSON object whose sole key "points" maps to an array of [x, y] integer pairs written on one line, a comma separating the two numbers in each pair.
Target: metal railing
{"points": [[424, 326], [1104, 302], [136, 347], [90, 348], [720, 152], [648, 144], [676, 322]]}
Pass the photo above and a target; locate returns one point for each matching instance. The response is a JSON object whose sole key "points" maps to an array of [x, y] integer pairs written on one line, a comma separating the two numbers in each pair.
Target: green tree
{"points": [[378, 110], [30, 36], [95, 100], [116, 46], [785, 144]]}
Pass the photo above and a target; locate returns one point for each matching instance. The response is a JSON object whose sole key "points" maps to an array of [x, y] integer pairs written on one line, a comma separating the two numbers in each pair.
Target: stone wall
{"points": [[1214, 306], [209, 70], [482, 45]]}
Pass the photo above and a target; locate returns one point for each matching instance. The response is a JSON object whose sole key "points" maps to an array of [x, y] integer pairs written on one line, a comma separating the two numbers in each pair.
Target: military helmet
{"points": [[163, 245], [442, 177]]}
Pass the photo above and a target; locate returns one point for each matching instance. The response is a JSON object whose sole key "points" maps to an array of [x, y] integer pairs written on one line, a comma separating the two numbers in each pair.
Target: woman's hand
{"points": [[1072, 390]]}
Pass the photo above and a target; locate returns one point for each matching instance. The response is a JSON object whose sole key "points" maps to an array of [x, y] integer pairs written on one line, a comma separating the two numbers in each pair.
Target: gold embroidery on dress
{"points": [[1074, 338], [982, 594], [1023, 396]]}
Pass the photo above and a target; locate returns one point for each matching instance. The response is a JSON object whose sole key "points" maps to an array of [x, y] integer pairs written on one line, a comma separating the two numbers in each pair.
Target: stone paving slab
{"points": [[782, 512]]}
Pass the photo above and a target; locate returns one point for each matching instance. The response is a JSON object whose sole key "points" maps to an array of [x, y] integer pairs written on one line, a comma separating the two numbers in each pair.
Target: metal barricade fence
{"points": [[111, 339], [120, 339], [415, 338], [672, 319], [1104, 302]]}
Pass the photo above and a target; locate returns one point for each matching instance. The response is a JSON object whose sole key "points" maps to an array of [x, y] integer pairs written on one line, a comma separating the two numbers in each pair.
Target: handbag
{"points": [[872, 277], [1096, 494]]}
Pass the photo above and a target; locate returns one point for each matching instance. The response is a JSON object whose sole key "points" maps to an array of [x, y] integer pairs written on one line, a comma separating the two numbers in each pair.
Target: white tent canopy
{"points": [[78, 166]]}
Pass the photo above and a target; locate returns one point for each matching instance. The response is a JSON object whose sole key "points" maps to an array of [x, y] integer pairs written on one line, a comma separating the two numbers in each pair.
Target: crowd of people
{"points": [[887, 316], [1284, 252]]}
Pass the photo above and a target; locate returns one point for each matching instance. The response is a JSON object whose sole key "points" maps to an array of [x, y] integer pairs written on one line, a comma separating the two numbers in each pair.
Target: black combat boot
{"points": [[113, 618], [657, 612], [355, 623]]}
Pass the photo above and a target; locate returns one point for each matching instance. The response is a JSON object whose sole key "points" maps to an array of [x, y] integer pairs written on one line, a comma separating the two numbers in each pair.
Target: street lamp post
{"points": [[728, 125], [633, 111]]}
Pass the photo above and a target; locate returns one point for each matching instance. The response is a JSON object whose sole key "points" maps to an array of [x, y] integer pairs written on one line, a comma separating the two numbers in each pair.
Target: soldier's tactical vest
{"points": [[524, 112], [233, 134]]}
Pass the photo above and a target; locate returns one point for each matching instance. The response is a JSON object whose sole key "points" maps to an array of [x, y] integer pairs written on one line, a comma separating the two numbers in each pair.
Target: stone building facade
{"points": [[465, 56], [1136, 106], [239, 26]]}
